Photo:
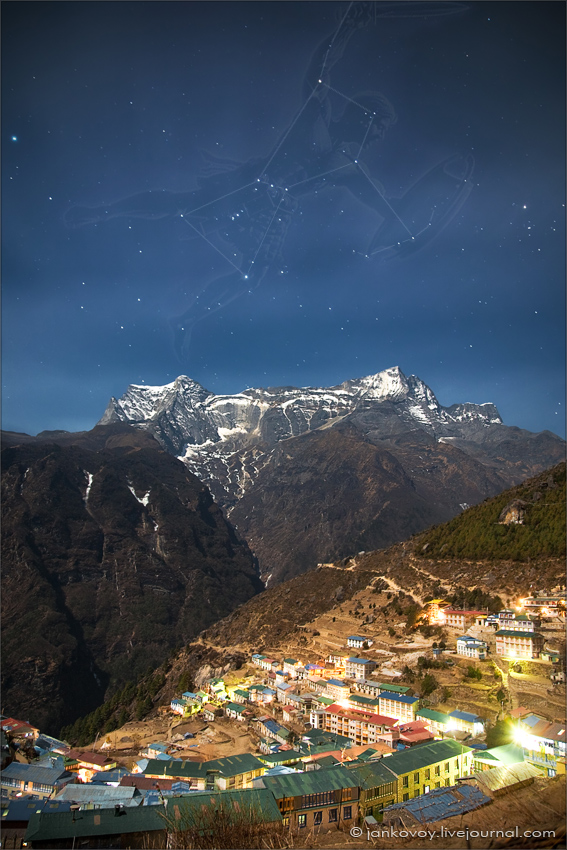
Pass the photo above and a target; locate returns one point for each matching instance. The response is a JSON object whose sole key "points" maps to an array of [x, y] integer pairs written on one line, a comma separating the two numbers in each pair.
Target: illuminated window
{"points": [[301, 821]]}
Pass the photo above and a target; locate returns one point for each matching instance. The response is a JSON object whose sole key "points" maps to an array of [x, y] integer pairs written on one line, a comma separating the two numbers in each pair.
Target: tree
{"points": [[428, 684]]}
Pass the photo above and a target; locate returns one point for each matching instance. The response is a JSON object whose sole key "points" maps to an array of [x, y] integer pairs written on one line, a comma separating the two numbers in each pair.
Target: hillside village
{"points": [[343, 737]]}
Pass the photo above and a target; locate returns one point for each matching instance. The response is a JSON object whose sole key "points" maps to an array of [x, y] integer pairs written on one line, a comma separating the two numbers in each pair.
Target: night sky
{"points": [[216, 108]]}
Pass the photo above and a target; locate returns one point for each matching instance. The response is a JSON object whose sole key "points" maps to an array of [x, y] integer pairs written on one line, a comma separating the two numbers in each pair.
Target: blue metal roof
{"points": [[465, 715], [398, 697], [443, 803]]}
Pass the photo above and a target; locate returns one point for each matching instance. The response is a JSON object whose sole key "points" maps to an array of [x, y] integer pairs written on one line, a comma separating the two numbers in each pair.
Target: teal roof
{"points": [[53, 826], [423, 755], [233, 765], [373, 774], [501, 756], [429, 714], [512, 633], [364, 700], [310, 782], [283, 757], [397, 689]]}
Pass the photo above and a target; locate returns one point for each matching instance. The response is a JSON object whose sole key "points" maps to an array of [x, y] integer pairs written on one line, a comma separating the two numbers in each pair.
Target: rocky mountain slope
{"points": [[113, 553], [310, 475], [376, 593]]}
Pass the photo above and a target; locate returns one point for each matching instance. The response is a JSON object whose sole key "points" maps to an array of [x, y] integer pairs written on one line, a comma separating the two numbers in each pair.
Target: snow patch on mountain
{"points": [[214, 434]]}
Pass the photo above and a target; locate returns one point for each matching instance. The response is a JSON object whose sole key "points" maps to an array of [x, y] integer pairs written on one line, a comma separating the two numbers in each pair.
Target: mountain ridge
{"points": [[400, 459]]}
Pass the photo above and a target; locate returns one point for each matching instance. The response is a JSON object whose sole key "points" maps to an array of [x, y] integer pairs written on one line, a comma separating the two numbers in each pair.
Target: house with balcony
{"points": [[361, 727]]}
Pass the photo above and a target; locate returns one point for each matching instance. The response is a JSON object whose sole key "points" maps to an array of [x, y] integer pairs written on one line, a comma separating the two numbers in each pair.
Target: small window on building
{"points": [[416, 777], [285, 821], [332, 815], [447, 782], [428, 773], [301, 821], [405, 781], [437, 769], [405, 797], [317, 818], [446, 765], [347, 812]]}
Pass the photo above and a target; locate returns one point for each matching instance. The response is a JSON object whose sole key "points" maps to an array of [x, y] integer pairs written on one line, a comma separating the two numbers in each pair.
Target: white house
{"points": [[358, 642], [471, 647]]}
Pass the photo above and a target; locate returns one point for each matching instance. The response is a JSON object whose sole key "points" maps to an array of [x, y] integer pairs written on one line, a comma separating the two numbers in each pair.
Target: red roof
{"points": [[361, 714]]}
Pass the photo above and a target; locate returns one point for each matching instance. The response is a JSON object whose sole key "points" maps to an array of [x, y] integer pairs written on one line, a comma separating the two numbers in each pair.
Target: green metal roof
{"points": [[429, 714], [364, 700], [310, 782], [501, 756], [52, 826], [233, 765], [423, 755], [373, 773], [397, 689]]}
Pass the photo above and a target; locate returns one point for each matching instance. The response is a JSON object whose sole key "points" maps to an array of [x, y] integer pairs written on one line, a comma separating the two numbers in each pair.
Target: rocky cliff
{"points": [[113, 554]]}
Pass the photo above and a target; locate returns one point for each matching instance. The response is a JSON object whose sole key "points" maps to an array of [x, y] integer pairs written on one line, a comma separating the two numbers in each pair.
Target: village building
{"points": [[518, 644], [42, 782], [90, 763], [359, 668], [364, 702], [291, 666], [358, 642], [436, 721], [317, 800], [471, 647], [543, 742], [374, 689], [464, 721], [420, 769], [519, 622], [545, 605], [378, 788], [455, 618], [361, 727], [399, 706], [336, 689]]}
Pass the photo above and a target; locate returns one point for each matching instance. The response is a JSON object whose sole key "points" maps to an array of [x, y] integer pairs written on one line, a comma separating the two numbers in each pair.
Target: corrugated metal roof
{"points": [[30, 773], [310, 782], [465, 715], [442, 803], [499, 778], [423, 755], [101, 822], [398, 697], [429, 714]]}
